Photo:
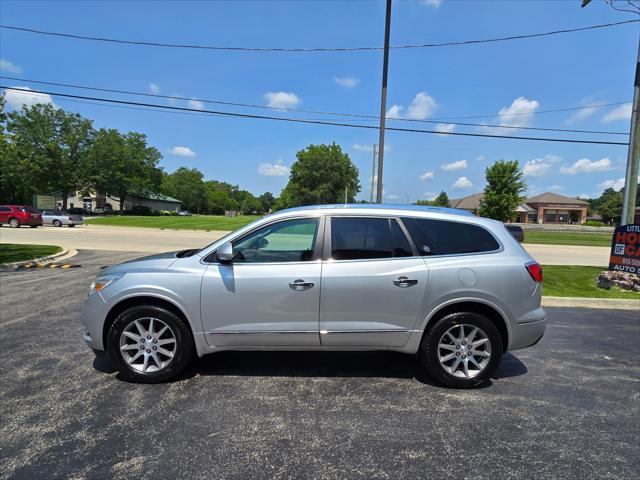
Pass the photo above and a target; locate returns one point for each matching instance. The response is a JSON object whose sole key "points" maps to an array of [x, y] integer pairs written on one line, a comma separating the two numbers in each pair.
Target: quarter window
{"points": [[441, 237], [5, 209], [286, 241]]}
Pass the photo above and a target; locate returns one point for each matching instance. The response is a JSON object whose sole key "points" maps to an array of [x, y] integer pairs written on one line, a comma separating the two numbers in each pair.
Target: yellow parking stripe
{"points": [[66, 266]]}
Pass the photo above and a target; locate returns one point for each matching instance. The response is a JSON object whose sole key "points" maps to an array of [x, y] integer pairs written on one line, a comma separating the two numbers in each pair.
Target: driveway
{"points": [[131, 239], [566, 408]]}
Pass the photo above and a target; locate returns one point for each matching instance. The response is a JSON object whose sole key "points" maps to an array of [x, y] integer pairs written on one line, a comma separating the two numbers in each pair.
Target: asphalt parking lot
{"points": [[567, 408]]}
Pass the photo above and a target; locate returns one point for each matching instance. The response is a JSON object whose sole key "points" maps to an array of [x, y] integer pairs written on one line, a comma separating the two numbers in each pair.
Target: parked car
{"points": [[184, 213], [77, 211], [453, 288], [103, 210], [58, 218], [517, 231], [17, 215]]}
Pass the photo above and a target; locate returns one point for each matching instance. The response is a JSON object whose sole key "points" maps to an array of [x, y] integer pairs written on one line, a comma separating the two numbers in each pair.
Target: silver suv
{"points": [[453, 288]]}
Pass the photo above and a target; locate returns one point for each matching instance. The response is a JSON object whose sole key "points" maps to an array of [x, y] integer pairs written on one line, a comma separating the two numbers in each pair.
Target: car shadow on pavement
{"points": [[328, 364]]}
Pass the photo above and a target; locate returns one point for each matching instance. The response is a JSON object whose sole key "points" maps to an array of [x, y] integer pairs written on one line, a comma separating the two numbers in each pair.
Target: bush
{"points": [[141, 210], [593, 223], [217, 210], [165, 213]]}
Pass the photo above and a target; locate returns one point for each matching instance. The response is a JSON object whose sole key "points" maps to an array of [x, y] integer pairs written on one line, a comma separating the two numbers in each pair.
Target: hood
{"points": [[160, 261]]}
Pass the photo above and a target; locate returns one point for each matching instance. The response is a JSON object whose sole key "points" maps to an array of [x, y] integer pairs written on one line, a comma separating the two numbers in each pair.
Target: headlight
{"points": [[103, 282]]}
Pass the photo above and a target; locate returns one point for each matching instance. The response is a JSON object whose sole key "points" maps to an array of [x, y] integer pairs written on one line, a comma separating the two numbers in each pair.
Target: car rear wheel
{"points": [[71, 225], [149, 344], [33, 226], [57, 223], [462, 350], [14, 222]]}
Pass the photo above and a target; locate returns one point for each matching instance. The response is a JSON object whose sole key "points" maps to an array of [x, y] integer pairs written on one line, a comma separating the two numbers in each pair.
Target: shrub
{"points": [[593, 223], [165, 213], [141, 210]]}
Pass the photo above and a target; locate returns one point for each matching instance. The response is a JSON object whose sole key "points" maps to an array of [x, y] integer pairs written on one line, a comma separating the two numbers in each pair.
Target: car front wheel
{"points": [[57, 223], [149, 344], [462, 350], [14, 223]]}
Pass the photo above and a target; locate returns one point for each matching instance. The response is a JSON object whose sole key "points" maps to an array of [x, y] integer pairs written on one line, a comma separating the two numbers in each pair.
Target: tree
{"points": [[124, 165], [609, 205], [442, 200], [503, 193], [320, 175], [15, 182], [54, 144], [266, 201], [186, 185]]}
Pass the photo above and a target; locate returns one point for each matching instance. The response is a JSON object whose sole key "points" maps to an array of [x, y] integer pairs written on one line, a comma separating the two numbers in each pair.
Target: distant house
{"points": [[547, 207], [91, 200]]}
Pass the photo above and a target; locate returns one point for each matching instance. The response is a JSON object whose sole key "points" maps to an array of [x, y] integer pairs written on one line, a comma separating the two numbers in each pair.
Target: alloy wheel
{"points": [[464, 351], [148, 345]]}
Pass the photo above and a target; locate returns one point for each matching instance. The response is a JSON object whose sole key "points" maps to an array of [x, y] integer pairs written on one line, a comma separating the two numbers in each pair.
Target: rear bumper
{"points": [[528, 330]]}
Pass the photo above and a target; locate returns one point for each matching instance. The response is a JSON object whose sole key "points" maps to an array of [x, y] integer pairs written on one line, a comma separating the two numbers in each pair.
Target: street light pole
{"points": [[373, 173], [383, 100], [633, 158]]}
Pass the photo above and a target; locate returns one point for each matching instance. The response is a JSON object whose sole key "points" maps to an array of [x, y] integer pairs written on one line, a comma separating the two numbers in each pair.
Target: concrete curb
{"points": [[605, 303], [63, 255]]}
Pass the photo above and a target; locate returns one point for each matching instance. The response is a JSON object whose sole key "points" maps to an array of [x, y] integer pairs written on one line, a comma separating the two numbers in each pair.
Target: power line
{"points": [[317, 112], [314, 122], [312, 49]]}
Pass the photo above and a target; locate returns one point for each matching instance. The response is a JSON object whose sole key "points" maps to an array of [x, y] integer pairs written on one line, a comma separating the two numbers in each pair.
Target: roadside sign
{"points": [[625, 249], [44, 202]]}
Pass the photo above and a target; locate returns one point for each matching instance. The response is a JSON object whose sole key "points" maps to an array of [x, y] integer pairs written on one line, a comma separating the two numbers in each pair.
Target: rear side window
{"points": [[5, 209], [441, 237], [360, 238]]}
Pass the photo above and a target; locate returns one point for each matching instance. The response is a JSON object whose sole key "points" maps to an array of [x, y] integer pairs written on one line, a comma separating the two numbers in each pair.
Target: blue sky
{"points": [[523, 76]]}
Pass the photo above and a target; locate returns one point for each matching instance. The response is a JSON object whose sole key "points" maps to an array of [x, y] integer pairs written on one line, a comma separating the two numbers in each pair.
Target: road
{"points": [[566, 408], [131, 239]]}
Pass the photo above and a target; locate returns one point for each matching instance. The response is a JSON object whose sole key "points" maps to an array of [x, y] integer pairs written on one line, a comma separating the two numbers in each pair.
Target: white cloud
{"points": [[445, 127], [8, 67], [428, 175], [365, 147], [395, 111], [421, 107], [555, 188], [615, 184], [154, 88], [277, 169], [623, 112], [182, 151], [539, 167], [430, 195], [480, 158], [281, 99], [458, 165], [195, 104], [583, 113], [432, 3], [16, 99], [393, 196], [519, 113], [463, 183], [347, 82], [584, 165]]}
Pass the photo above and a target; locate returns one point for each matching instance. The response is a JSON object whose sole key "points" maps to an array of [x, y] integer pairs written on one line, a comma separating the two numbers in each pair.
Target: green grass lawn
{"points": [[568, 238], [12, 252], [195, 222], [574, 281]]}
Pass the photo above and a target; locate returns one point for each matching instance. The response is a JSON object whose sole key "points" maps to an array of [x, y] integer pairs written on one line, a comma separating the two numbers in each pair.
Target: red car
{"points": [[16, 215]]}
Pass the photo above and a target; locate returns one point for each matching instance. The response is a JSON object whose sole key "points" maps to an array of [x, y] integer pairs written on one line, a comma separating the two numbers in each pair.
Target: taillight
{"points": [[535, 270], [70, 218]]}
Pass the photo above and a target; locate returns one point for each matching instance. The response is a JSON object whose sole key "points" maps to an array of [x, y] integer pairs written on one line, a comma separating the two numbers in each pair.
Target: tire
{"points": [[432, 350], [33, 226], [183, 346], [14, 222], [57, 223], [71, 225]]}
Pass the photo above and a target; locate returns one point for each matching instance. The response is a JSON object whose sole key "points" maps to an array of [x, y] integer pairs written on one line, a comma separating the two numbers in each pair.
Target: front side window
{"points": [[442, 237], [360, 238], [286, 241]]}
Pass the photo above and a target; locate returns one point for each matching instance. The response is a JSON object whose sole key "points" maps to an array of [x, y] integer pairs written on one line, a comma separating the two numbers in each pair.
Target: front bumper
{"points": [[94, 313]]}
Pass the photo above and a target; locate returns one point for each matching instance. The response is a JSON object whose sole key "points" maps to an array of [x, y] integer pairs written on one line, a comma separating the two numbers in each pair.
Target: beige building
{"points": [[547, 207], [91, 200]]}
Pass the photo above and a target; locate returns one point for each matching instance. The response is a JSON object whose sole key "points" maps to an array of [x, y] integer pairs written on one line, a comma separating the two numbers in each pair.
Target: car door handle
{"points": [[404, 282], [299, 285]]}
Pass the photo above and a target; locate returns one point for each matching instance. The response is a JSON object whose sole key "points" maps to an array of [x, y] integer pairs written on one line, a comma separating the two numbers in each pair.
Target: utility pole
{"points": [[633, 158], [373, 173], [383, 100]]}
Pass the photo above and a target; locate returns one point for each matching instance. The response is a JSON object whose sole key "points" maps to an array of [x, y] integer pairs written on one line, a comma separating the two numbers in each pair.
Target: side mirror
{"points": [[225, 252]]}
